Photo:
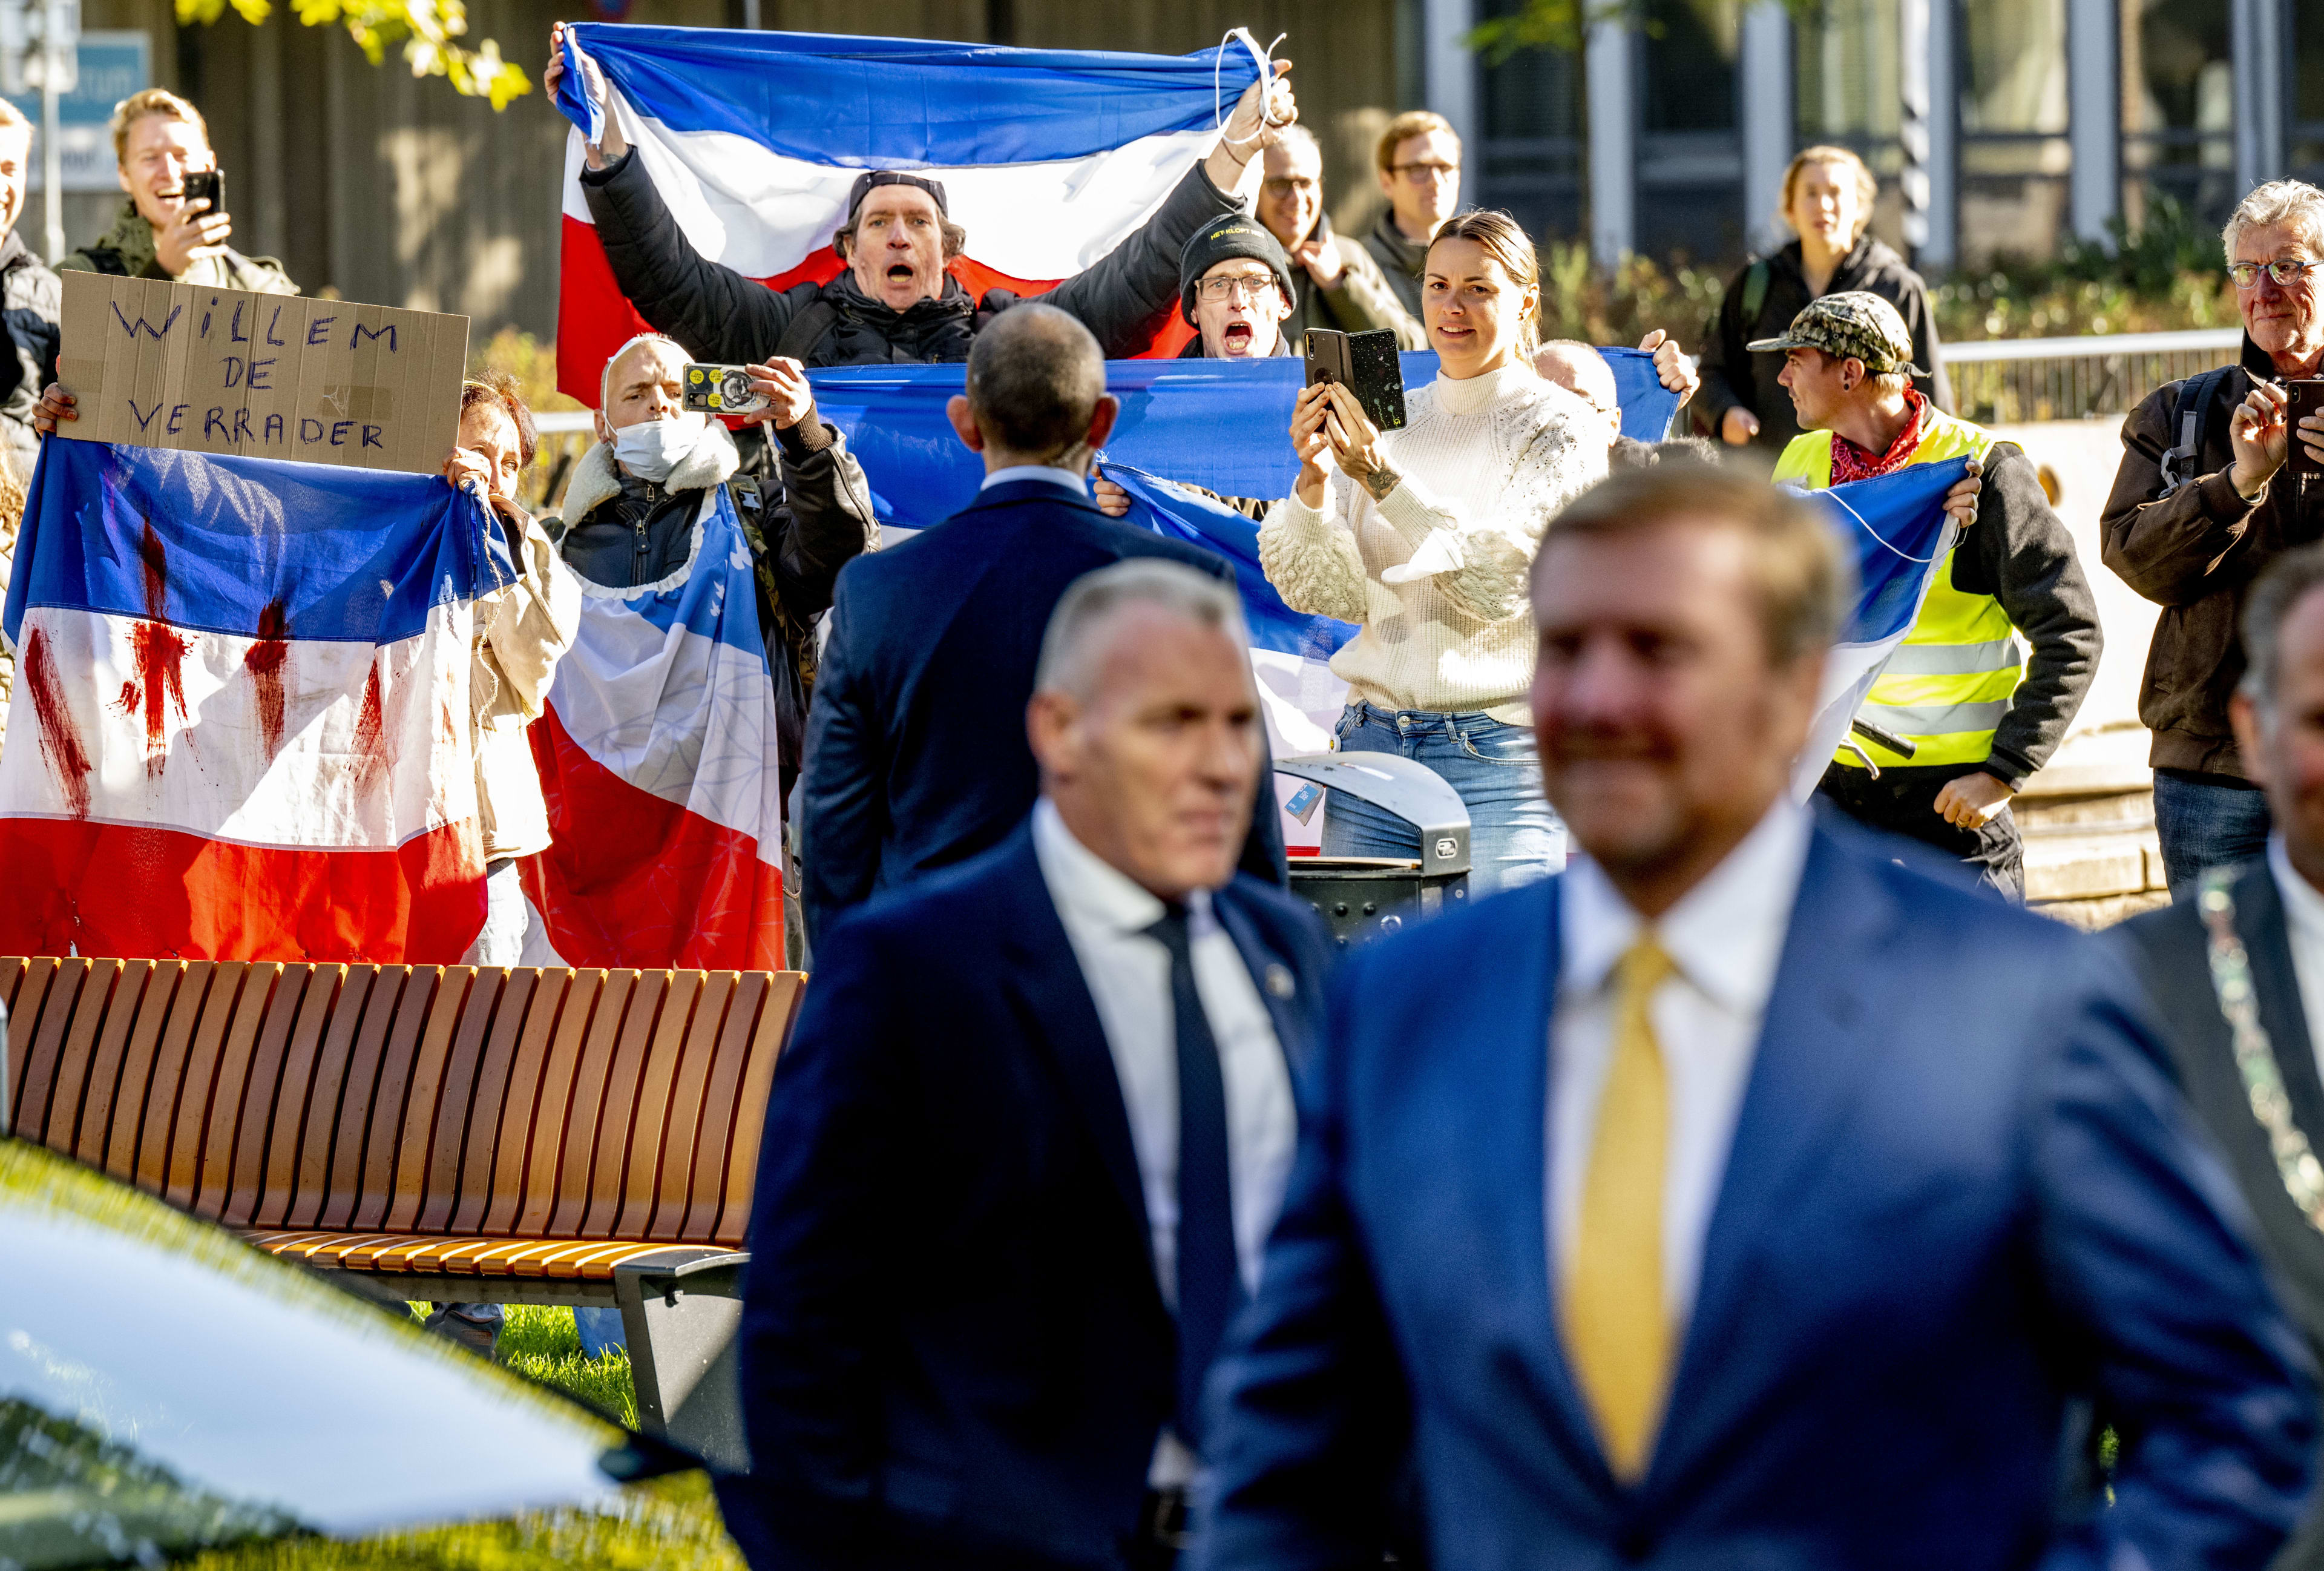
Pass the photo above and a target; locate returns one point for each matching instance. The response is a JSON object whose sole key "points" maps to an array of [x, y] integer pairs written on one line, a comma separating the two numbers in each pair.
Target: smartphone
{"points": [[720, 390], [206, 185], [2306, 398], [1367, 363]]}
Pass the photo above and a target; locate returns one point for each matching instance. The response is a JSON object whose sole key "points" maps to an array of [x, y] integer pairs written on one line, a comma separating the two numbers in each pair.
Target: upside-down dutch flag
{"points": [[657, 757], [1049, 158], [241, 728]]}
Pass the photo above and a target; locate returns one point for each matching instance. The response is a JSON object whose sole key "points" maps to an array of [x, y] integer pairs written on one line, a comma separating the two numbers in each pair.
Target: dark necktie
{"points": [[1210, 1288]]}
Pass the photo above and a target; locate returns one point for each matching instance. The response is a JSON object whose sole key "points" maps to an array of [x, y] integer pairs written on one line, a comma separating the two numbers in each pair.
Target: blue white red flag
{"points": [[240, 721], [1897, 533], [1049, 158], [657, 757]]}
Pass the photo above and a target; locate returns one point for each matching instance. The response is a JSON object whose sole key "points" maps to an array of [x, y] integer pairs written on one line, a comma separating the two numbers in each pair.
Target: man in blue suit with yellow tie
{"points": [[1744, 1198]]}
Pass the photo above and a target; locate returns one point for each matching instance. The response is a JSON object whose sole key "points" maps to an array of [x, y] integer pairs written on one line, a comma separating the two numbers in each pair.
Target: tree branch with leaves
{"points": [[428, 29]]}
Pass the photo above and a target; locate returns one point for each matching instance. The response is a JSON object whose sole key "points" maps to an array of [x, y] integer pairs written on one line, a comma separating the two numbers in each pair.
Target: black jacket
{"points": [[1123, 298], [1733, 375], [915, 750], [2170, 951], [2020, 552], [952, 1334], [31, 304], [801, 534]]}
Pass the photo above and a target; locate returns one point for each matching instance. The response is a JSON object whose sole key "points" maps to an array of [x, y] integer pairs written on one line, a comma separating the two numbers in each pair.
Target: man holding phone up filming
{"points": [[2209, 492], [174, 224]]}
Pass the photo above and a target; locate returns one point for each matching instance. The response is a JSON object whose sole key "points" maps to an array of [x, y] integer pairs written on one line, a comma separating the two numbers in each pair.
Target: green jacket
{"points": [[127, 251]]}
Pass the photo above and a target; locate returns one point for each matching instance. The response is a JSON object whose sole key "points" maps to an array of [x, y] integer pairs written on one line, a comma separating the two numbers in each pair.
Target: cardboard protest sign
{"points": [[163, 365]]}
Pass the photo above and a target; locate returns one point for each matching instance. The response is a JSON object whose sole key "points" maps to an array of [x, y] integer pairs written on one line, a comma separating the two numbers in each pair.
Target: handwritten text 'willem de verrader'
{"points": [[223, 424]]}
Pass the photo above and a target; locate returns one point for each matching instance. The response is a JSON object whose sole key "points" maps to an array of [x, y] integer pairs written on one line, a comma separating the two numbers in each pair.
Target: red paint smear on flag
{"points": [[594, 318], [264, 663], [60, 741], [138, 892], [157, 656], [371, 726], [632, 880]]}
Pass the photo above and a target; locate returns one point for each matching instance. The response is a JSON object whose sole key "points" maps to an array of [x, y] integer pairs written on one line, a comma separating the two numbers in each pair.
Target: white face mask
{"points": [[651, 449]]}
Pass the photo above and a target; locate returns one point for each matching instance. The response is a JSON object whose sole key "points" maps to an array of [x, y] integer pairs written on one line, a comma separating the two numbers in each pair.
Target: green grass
{"points": [[542, 1345], [668, 1525]]}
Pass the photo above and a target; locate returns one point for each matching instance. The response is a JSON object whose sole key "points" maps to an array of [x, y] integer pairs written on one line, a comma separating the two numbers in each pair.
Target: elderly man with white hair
{"points": [[2204, 500]]}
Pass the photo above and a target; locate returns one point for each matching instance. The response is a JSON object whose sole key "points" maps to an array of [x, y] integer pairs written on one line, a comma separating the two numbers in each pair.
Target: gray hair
{"points": [[1034, 378], [2293, 203], [1071, 647], [2283, 585], [1297, 135]]}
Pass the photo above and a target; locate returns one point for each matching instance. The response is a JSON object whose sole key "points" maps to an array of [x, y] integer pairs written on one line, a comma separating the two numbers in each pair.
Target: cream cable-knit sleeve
{"points": [[1480, 564], [1311, 558]]}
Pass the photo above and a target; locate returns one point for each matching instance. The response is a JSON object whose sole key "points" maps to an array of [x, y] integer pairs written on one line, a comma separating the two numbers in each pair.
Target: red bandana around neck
{"points": [[1851, 462]]}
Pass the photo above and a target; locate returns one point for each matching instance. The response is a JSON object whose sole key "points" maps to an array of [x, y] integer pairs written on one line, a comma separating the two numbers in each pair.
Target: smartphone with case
{"points": [[2305, 398], [720, 390], [206, 185], [1367, 363]]}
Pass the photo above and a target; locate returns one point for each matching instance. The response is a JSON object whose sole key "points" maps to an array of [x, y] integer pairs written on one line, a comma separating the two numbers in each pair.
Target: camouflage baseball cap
{"points": [[1850, 326]]}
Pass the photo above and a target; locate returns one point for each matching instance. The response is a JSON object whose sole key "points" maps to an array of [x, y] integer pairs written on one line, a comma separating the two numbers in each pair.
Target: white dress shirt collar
{"points": [[2303, 902], [1725, 935], [1098, 891], [2303, 935], [1076, 484]]}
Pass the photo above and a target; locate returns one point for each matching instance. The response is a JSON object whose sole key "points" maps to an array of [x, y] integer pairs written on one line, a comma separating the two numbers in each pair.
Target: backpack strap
{"points": [[2191, 415], [807, 330], [1755, 290]]}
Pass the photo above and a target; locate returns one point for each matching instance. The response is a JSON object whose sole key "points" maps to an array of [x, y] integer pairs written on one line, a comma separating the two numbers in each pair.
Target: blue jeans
{"points": [[1514, 837], [600, 1328], [2203, 825]]}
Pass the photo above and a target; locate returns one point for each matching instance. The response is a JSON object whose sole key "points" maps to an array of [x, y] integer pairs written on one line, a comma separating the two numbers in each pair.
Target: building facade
{"points": [[1996, 126]]}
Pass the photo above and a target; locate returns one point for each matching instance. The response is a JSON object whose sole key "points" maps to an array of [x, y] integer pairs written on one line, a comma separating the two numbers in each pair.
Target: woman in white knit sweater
{"points": [[1422, 537]]}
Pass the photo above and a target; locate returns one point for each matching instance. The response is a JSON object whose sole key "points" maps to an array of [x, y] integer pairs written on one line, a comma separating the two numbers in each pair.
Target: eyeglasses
{"points": [[1252, 286], [1424, 173], [2286, 271]]}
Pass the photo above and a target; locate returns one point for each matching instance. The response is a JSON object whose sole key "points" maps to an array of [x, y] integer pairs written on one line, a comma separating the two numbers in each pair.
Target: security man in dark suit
{"points": [[916, 754], [2236, 974], [1028, 1140]]}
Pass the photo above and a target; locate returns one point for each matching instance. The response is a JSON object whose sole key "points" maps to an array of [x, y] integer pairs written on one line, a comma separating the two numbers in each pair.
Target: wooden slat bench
{"points": [[436, 1133]]}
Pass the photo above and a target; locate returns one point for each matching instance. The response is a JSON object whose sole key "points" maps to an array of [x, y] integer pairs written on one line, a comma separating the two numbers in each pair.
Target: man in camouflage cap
{"points": [[1980, 717], [1854, 326]]}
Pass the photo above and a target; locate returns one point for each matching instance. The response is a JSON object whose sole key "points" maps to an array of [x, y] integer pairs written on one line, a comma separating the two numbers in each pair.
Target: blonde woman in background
{"points": [[1827, 197], [1423, 538]]}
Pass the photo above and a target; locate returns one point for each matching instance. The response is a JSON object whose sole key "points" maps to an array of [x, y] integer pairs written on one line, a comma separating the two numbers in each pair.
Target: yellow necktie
{"points": [[1617, 1327]]}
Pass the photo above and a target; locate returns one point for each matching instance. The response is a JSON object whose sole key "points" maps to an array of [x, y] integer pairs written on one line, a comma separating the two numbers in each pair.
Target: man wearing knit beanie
{"points": [[1234, 288]]}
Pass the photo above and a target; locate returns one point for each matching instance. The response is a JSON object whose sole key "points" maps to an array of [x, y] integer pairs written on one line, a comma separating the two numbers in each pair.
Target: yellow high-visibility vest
{"points": [[1947, 685]]}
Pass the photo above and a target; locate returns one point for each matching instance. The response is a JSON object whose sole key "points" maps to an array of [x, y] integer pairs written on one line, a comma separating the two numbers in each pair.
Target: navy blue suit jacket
{"points": [[1961, 1197], [915, 750], [952, 1330]]}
